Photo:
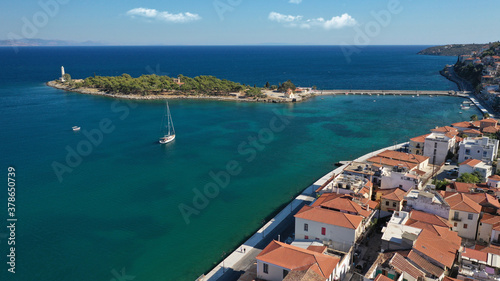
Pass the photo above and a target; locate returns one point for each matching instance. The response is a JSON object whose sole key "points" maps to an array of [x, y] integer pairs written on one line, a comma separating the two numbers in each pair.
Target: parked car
{"points": [[448, 162]]}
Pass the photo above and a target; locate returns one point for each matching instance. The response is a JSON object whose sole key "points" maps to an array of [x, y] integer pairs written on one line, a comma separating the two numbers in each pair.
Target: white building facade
{"points": [[484, 149]]}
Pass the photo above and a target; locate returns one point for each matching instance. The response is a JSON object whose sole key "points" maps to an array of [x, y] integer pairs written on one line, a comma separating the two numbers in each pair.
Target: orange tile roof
{"points": [[471, 162], [475, 254], [472, 131], [341, 203], [303, 275], [461, 202], [490, 219], [492, 249], [402, 265], [296, 258], [376, 160], [396, 194], [494, 177], [381, 277], [440, 248], [317, 249], [461, 187], [484, 199], [446, 129], [490, 130], [447, 278], [424, 264], [420, 138], [488, 120], [476, 123], [416, 215], [406, 157], [464, 124], [330, 217]]}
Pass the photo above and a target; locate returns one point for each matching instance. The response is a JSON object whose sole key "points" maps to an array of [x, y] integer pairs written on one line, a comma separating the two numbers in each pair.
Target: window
{"points": [[306, 237], [470, 216], [394, 204], [467, 151], [285, 273], [465, 226], [387, 203], [266, 268], [485, 153], [455, 224], [435, 145], [323, 231], [306, 227]]}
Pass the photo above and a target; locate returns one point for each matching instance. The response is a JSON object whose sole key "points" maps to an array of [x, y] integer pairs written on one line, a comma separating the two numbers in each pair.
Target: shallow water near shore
{"points": [[118, 207]]}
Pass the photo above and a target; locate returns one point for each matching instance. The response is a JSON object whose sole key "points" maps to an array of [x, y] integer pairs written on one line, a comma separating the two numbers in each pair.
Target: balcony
{"points": [[456, 219]]}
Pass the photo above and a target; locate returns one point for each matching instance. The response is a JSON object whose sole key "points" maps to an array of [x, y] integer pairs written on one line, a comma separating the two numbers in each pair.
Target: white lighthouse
{"points": [[62, 74]]}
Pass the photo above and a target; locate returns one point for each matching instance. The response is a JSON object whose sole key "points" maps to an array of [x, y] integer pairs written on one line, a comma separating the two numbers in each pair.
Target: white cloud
{"points": [[298, 21], [163, 16], [339, 22], [277, 17], [295, 1]]}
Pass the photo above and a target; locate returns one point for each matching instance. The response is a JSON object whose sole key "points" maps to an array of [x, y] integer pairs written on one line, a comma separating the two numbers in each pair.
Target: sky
{"points": [[253, 22]]}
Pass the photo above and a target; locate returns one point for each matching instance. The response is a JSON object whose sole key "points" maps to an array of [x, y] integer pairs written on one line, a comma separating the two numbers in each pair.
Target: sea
{"points": [[108, 202]]}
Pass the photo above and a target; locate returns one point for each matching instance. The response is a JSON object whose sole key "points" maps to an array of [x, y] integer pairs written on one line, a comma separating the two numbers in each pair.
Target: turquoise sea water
{"points": [[118, 208]]}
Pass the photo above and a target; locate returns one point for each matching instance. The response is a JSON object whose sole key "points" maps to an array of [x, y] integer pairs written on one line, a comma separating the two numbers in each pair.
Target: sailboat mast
{"points": [[168, 119]]}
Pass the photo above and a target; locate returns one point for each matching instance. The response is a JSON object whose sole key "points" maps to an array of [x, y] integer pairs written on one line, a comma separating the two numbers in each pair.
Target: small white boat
{"points": [[76, 128], [460, 112], [167, 127]]}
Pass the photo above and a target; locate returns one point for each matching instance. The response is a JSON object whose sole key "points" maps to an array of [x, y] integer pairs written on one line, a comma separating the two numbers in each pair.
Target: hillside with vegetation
{"points": [[155, 85], [452, 50]]}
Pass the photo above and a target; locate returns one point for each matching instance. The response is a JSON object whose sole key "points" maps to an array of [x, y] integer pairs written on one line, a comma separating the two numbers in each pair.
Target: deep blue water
{"points": [[118, 206]]}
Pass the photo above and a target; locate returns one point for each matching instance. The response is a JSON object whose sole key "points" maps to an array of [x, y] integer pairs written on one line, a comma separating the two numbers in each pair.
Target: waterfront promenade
{"points": [[244, 255]]}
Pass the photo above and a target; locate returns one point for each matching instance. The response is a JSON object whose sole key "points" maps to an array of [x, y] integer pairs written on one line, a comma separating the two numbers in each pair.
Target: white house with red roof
{"points": [[416, 145], [474, 165], [338, 229], [464, 214], [278, 259], [494, 183], [485, 229], [484, 149], [439, 143]]}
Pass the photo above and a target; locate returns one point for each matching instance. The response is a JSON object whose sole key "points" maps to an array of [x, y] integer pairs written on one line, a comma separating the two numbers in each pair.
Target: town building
{"points": [[440, 143], [464, 214], [474, 165], [278, 259], [392, 200], [484, 149], [338, 229], [428, 201], [416, 144]]}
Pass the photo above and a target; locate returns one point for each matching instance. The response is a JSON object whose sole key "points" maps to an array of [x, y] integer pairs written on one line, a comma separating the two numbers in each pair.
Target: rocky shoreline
{"points": [[91, 91]]}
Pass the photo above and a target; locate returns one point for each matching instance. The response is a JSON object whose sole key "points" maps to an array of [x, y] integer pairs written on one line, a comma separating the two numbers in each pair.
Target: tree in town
{"points": [[468, 178]]}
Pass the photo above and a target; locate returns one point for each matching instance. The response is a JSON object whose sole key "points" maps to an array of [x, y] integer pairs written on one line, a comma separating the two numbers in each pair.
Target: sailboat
{"points": [[167, 127]]}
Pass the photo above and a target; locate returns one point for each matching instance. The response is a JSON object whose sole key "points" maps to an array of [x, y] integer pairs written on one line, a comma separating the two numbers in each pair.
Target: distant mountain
{"points": [[452, 50], [43, 42]]}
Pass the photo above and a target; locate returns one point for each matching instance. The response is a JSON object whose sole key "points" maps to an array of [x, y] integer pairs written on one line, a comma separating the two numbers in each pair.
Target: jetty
{"points": [[391, 92]]}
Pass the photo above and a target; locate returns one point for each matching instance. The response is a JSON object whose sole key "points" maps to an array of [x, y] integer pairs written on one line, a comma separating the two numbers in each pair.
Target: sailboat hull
{"points": [[167, 139]]}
